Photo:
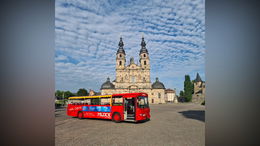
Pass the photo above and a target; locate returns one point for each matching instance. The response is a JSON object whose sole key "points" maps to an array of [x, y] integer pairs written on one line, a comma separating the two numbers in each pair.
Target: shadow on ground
{"points": [[96, 119], [194, 114]]}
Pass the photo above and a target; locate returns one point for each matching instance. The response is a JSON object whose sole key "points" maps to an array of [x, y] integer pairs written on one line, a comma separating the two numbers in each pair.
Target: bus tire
{"points": [[80, 115], [116, 117]]}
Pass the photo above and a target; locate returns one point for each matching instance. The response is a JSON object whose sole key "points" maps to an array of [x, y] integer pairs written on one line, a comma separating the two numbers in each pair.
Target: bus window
{"points": [[87, 101], [142, 102], [95, 101], [105, 101], [75, 101], [117, 100]]}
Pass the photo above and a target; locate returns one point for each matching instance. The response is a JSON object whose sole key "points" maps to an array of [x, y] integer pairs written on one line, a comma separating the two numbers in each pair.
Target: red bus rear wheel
{"points": [[80, 115], [116, 117]]}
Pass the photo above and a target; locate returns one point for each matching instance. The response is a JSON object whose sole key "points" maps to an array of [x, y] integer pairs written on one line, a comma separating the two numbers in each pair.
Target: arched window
{"points": [[120, 55], [120, 62], [144, 55], [144, 62]]}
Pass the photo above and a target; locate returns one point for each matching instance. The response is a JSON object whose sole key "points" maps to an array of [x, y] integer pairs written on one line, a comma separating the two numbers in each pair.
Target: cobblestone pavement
{"points": [[170, 124]]}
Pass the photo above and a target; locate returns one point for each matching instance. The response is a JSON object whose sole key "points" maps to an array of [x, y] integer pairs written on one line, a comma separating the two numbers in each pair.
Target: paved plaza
{"points": [[180, 124]]}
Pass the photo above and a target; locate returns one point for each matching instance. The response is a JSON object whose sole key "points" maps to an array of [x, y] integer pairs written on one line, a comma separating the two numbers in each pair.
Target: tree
{"points": [[181, 98], [193, 81], [63, 94], [181, 93], [59, 94], [82, 92], [68, 94], [188, 88]]}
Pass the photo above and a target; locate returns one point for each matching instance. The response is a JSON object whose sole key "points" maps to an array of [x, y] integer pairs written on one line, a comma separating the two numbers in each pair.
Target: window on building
{"points": [[120, 62], [144, 62], [144, 55], [133, 79], [120, 55], [159, 95]]}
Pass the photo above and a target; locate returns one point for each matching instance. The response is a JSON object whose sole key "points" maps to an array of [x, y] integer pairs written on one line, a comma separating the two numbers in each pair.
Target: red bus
{"points": [[118, 107]]}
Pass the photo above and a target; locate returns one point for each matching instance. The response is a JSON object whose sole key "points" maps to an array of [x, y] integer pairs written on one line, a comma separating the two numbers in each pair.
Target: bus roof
{"points": [[100, 96], [131, 94], [84, 97]]}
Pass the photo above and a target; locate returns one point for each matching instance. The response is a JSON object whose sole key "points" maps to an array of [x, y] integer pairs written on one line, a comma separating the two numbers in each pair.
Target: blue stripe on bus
{"points": [[96, 108]]}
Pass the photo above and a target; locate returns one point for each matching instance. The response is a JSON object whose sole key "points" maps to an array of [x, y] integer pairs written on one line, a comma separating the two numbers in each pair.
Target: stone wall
{"points": [[199, 97], [155, 96]]}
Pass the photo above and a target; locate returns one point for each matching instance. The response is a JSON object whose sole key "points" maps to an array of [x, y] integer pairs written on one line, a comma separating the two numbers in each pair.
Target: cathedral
{"points": [[134, 77]]}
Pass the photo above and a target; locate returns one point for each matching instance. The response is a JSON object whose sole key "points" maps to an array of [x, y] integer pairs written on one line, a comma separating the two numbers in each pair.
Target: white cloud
{"points": [[88, 32]]}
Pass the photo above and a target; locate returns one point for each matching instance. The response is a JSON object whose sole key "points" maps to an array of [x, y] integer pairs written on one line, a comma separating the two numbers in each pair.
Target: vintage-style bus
{"points": [[118, 107]]}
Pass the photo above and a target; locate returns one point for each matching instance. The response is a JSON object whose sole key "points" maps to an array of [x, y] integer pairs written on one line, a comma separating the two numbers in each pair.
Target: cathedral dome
{"points": [[158, 85], [108, 85]]}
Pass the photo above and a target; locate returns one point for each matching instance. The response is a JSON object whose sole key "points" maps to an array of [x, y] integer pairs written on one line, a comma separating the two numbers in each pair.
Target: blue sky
{"points": [[87, 36]]}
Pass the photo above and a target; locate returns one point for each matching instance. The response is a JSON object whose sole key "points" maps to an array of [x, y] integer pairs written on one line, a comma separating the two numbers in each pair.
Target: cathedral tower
{"points": [[144, 56], [144, 62], [120, 61], [120, 55]]}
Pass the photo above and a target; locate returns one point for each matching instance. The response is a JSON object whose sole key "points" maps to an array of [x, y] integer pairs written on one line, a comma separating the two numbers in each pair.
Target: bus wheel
{"points": [[80, 115], [116, 117]]}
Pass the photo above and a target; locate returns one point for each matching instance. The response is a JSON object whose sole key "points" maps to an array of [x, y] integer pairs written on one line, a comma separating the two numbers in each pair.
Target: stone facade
{"points": [[199, 90], [134, 77], [171, 96]]}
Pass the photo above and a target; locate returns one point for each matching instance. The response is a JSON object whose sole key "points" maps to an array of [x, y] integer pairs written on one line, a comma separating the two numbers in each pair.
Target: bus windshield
{"points": [[142, 102]]}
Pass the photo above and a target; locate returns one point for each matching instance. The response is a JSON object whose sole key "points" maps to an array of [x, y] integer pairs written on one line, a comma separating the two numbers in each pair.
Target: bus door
{"points": [[129, 110]]}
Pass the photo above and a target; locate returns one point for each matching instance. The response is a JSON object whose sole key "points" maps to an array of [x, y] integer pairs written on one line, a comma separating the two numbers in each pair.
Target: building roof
{"points": [[198, 79], [107, 85], [158, 85], [169, 91]]}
